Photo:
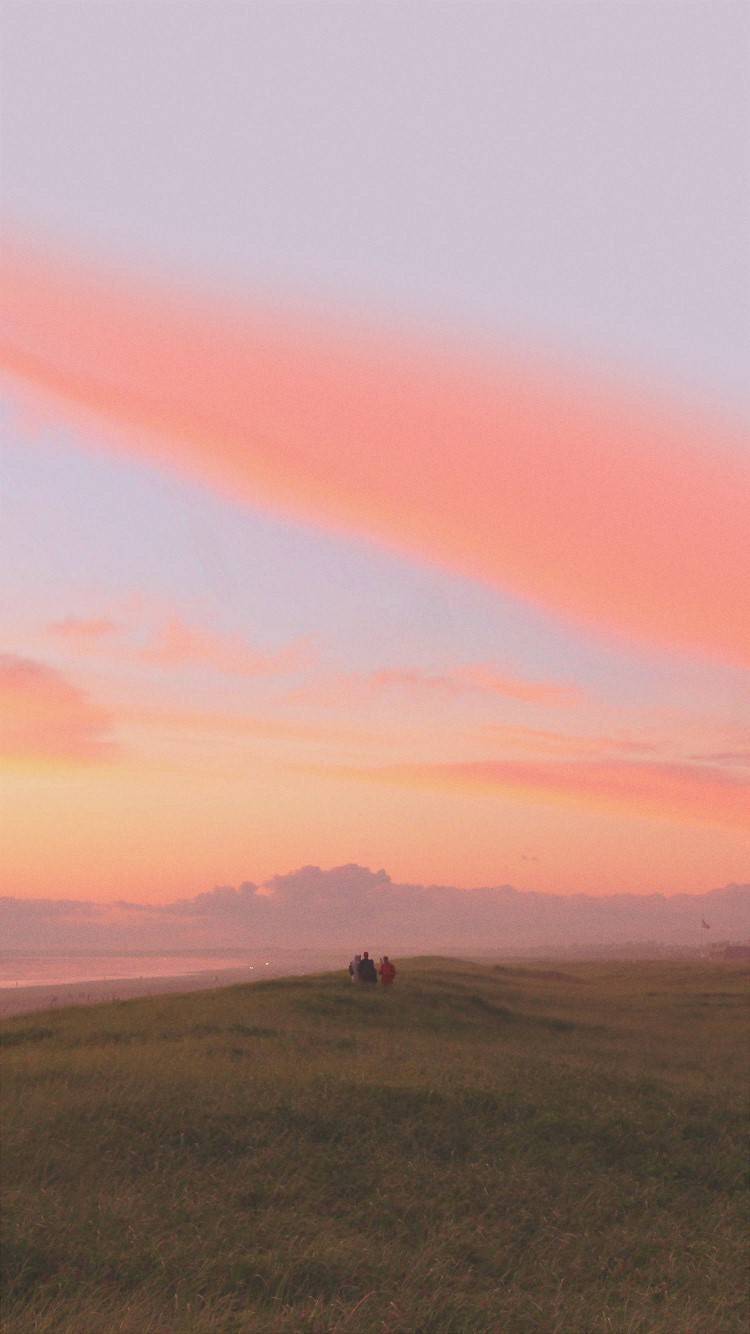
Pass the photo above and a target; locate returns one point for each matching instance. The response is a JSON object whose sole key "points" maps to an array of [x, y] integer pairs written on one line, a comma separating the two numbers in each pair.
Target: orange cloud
{"points": [[672, 791], [45, 717], [607, 507]]}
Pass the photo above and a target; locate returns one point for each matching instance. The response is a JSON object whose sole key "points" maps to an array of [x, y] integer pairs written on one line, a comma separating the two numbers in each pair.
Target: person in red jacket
{"points": [[387, 971]]}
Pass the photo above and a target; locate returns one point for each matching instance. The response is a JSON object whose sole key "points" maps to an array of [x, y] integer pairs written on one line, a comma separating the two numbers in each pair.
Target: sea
{"points": [[19, 969], [47, 968]]}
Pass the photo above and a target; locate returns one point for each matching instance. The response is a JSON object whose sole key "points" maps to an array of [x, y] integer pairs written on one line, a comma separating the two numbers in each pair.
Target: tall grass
{"points": [[480, 1149]]}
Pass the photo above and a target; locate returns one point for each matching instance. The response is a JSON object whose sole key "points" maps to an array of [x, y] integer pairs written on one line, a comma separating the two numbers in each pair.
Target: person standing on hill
{"points": [[354, 967], [367, 971], [387, 971]]}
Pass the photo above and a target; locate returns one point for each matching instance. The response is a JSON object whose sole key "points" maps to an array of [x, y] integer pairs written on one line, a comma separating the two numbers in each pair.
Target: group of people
{"points": [[362, 969]]}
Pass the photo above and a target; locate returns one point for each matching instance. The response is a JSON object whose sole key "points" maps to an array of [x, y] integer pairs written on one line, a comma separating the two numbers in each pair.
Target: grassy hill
{"points": [[481, 1149]]}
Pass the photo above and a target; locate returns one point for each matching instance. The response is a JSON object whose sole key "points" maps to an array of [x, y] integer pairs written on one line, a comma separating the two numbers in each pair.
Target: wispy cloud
{"points": [[486, 679], [480, 678], [616, 511], [548, 742], [235, 725], [46, 717], [82, 631], [740, 757], [175, 642]]}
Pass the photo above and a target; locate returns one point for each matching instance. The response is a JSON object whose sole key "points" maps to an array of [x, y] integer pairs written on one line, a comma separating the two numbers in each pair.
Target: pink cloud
{"points": [[44, 716], [612, 508], [700, 793]]}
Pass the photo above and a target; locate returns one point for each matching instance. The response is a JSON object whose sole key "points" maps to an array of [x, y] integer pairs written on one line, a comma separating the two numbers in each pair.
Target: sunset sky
{"points": [[375, 465]]}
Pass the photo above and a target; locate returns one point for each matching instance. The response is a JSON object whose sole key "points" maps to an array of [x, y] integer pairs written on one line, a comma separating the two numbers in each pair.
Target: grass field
{"points": [[481, 1149]]}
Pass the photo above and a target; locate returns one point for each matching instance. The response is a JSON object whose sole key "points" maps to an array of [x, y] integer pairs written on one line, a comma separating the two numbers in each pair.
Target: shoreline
{"points": [[33, 998]]}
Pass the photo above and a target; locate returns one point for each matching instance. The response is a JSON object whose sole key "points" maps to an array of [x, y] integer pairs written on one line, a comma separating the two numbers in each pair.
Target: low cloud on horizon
{"points": [[351, 906]]}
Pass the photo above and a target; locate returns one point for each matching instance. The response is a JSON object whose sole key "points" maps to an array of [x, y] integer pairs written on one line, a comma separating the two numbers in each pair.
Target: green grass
{"points": [[481, 1149]]}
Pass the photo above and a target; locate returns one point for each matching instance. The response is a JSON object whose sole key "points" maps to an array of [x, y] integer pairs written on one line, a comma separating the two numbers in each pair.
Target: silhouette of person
{"points": [[367, 972]]}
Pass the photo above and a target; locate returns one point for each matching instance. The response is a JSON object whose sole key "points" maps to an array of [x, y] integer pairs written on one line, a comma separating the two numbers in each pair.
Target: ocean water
{"points": [[39, 970]]}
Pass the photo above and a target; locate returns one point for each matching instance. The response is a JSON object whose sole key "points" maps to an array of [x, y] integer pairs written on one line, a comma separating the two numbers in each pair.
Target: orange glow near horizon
{"points": [[241, 803], [74, 838]]}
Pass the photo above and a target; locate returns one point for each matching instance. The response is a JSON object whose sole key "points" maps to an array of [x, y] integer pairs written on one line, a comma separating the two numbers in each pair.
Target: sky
{"points": [[375, 465]]}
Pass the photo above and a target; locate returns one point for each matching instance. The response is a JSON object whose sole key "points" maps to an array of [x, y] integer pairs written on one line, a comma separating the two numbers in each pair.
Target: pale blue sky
{"points": [[573, 173]]}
